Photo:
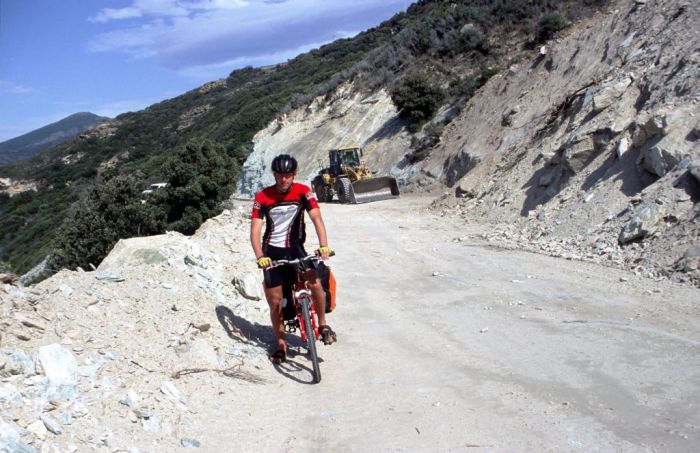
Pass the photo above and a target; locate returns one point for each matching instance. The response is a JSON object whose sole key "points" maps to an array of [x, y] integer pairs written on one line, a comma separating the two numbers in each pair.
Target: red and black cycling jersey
{"points": [[284, 214]]}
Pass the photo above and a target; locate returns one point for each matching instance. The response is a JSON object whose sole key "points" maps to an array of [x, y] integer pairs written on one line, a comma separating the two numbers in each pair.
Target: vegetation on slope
{"points": [[451, 46]]}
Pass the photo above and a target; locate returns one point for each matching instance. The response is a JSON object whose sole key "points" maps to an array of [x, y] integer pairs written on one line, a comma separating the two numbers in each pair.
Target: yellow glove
{"points": [[264, 262], [324, 250]]}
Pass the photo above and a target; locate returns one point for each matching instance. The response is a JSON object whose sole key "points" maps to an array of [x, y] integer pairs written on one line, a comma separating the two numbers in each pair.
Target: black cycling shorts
{"points": [[279, 275]]}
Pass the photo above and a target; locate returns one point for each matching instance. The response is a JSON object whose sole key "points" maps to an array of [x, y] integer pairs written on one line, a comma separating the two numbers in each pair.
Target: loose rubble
{"points": [[101, 359]]}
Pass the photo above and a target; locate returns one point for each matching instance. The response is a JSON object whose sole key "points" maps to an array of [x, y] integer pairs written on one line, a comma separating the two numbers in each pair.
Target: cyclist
{"points": [[282, 207]]}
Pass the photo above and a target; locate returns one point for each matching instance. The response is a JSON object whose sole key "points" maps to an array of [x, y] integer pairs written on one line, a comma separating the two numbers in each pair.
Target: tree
{"points": [[113, 210], [200, 175], [416, 98]]}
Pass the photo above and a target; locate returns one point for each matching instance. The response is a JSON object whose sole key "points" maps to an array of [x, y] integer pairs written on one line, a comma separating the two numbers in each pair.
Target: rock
{"points": [[203, 327], [29, 322], [248, 286], [14, 446], [622, 147], [18, 363], [694, 171], [51, 424], [189, 442], [59, 366], [690, 261], [65, 289], [129, 399], [578, 154], [608, 94], [109, 276], [8, 431], [168, 388], [151, 424], [38, 429], [658, 159], [8, 278], [643, 223]]}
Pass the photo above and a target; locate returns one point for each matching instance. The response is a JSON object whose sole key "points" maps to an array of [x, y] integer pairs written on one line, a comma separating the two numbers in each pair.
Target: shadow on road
{"points": [[294, 370], [242, 330]]}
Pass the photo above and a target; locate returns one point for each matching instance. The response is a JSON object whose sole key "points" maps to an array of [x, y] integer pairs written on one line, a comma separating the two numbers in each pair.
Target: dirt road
{"points": [[447, 345]]}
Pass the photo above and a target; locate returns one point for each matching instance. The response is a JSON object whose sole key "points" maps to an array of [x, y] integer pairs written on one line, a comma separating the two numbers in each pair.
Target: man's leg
{"points": [[274, 300]]}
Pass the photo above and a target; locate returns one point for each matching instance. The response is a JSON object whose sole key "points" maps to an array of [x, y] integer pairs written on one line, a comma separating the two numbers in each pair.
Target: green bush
{"points": [[113, 210], [200, 175], [416, 98], [549, 24]]}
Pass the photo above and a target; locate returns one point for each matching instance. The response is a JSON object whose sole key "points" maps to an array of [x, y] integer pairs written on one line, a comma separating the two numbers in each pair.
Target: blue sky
{"points": [[59, 57]]}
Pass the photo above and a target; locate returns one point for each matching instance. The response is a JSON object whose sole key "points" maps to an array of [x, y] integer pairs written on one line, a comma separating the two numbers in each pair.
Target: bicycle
{"points": [[299, 312]]}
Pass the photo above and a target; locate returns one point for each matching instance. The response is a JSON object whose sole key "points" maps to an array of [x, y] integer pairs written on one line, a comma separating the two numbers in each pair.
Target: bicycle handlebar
{"points": [[310, 257]]}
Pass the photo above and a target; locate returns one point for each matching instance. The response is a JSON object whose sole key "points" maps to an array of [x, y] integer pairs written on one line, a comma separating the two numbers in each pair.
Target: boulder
{"points": [[690, 261], [248, 286], [59, 366], [578, 154], [609, 94], [644, 222], [659, 159]]}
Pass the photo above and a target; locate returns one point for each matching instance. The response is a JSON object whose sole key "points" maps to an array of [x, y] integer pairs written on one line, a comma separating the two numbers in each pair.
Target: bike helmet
{"points": [[284, 163]]}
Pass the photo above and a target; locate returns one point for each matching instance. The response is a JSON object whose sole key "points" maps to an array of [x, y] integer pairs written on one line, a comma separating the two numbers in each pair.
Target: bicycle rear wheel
{"points": [[310, 337]]}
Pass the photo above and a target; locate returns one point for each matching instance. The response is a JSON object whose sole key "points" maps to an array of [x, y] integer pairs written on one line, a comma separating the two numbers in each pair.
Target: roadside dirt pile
{"points": [[102, 359], [590, 150]]}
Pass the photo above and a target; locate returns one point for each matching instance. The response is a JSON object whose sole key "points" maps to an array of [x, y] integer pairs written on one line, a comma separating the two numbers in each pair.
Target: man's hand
{"points": [[264, 262], [324, 252]]}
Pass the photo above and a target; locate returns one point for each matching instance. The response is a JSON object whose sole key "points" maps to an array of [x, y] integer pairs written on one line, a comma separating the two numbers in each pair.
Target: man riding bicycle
{"points": [[282, 207]]}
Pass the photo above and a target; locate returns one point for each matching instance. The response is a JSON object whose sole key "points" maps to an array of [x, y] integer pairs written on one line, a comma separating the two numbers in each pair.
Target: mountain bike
{"points": [[299, 312]]}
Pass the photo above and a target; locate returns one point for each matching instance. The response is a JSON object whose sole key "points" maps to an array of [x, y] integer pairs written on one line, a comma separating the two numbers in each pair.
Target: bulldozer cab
{"points": [[348, 156]]}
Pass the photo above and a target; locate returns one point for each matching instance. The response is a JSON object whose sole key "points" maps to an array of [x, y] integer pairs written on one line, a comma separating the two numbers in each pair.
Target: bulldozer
{"points": [[351, 180]]}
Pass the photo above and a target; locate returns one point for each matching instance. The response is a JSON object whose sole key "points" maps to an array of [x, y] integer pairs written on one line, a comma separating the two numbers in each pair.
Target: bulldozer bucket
{"points": [[374, 189]]}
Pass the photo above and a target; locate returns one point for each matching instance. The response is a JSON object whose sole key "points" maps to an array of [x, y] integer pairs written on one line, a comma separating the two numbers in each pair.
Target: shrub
{"points": [[549, 24], [200, 175], [113, 210], [416, 98]]}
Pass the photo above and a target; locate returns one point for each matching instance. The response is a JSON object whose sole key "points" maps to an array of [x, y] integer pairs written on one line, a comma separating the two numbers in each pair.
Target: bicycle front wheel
{"points": [[310, 337]]}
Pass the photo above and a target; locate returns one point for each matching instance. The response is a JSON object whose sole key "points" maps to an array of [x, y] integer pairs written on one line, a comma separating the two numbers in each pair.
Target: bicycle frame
{"points": [[300, 292]]}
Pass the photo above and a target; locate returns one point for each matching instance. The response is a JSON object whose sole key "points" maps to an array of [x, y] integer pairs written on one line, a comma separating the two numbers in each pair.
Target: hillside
{"points": [[34, 142], [584, 148], [454, 47]]}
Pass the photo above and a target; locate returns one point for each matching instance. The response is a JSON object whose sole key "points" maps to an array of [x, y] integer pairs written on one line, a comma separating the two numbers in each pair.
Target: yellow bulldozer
{"points": [[351, 180]]}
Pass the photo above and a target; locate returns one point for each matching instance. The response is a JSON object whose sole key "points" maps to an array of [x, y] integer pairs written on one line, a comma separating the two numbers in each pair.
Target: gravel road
{"points": [[447, 344]]}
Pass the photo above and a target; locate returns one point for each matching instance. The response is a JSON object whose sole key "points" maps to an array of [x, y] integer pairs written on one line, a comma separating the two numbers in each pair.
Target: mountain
{"points": [[469, 65], [34, 142]]}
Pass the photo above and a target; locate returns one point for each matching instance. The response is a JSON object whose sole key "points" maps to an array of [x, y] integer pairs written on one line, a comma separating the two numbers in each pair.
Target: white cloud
{"points": [[186, 35], [107, 14], [13, 88]]}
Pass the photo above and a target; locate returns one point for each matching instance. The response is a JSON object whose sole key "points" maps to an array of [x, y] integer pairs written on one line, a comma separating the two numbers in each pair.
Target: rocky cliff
{"points": [[347, 118], [590, 149], [586, 148]]}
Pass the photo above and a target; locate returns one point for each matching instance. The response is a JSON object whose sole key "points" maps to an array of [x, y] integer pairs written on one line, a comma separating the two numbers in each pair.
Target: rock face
{"points": [[590, 150], [343, 120]]}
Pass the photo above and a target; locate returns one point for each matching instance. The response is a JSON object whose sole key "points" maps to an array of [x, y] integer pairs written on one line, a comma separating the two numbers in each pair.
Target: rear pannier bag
{"points": [[328, 283]]}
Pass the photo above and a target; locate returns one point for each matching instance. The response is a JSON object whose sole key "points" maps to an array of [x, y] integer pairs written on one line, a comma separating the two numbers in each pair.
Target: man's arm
{"points": [[315, 216], [255, 230]]}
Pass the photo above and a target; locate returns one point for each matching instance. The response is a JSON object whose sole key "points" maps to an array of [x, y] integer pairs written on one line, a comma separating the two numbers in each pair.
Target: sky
{"points": [[59, 57]]}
